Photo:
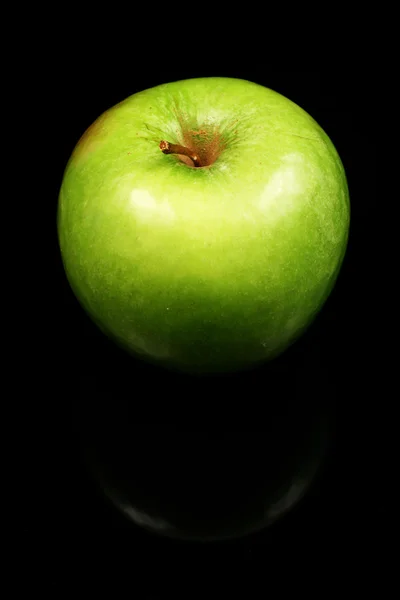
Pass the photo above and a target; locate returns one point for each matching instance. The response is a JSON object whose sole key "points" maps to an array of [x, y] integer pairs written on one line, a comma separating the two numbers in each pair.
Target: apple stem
{"points": [[168, 148]]}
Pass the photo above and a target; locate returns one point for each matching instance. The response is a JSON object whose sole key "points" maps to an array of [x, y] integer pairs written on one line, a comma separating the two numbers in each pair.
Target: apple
{"points": [[203, 223]]}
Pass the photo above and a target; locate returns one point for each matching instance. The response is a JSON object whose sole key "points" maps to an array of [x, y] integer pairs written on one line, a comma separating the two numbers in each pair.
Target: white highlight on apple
{"points": [[147, 209], [284, 186]]}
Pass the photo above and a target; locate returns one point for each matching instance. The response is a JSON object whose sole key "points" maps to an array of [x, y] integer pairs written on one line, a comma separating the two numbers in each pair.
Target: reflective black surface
{"points": [[205, 486], [203, 477]]}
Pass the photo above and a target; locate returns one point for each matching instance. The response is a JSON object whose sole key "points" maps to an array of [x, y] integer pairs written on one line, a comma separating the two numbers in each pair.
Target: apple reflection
{"points": [[208, 484]]}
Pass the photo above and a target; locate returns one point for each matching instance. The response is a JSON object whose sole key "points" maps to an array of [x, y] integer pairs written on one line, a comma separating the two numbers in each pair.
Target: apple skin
{"points": [[210, 269]]}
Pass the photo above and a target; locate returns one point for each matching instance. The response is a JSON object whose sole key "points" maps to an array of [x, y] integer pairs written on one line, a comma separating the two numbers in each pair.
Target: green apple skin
{"points": [[210, 269]]}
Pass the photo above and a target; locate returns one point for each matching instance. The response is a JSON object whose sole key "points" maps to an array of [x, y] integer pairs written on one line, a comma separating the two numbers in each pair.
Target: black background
{"points": [[344, 520]]}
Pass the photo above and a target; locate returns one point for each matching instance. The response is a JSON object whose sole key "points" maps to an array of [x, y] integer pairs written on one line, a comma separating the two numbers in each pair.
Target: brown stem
{"points": [[168, 148]]}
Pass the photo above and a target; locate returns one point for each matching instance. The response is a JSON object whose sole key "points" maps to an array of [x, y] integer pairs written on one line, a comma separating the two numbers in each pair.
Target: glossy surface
{"points": [[204, 269], [208, 484]]}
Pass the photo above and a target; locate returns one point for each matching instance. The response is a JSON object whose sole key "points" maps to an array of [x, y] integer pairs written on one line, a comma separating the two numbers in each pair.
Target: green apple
{"points": [[203, 223]]}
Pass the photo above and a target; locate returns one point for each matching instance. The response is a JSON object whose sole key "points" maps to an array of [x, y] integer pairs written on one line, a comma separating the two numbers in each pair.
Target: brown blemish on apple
{"points": [[199, 132], [196, 148], [91, 139], [207, 142], [202, 139]]}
